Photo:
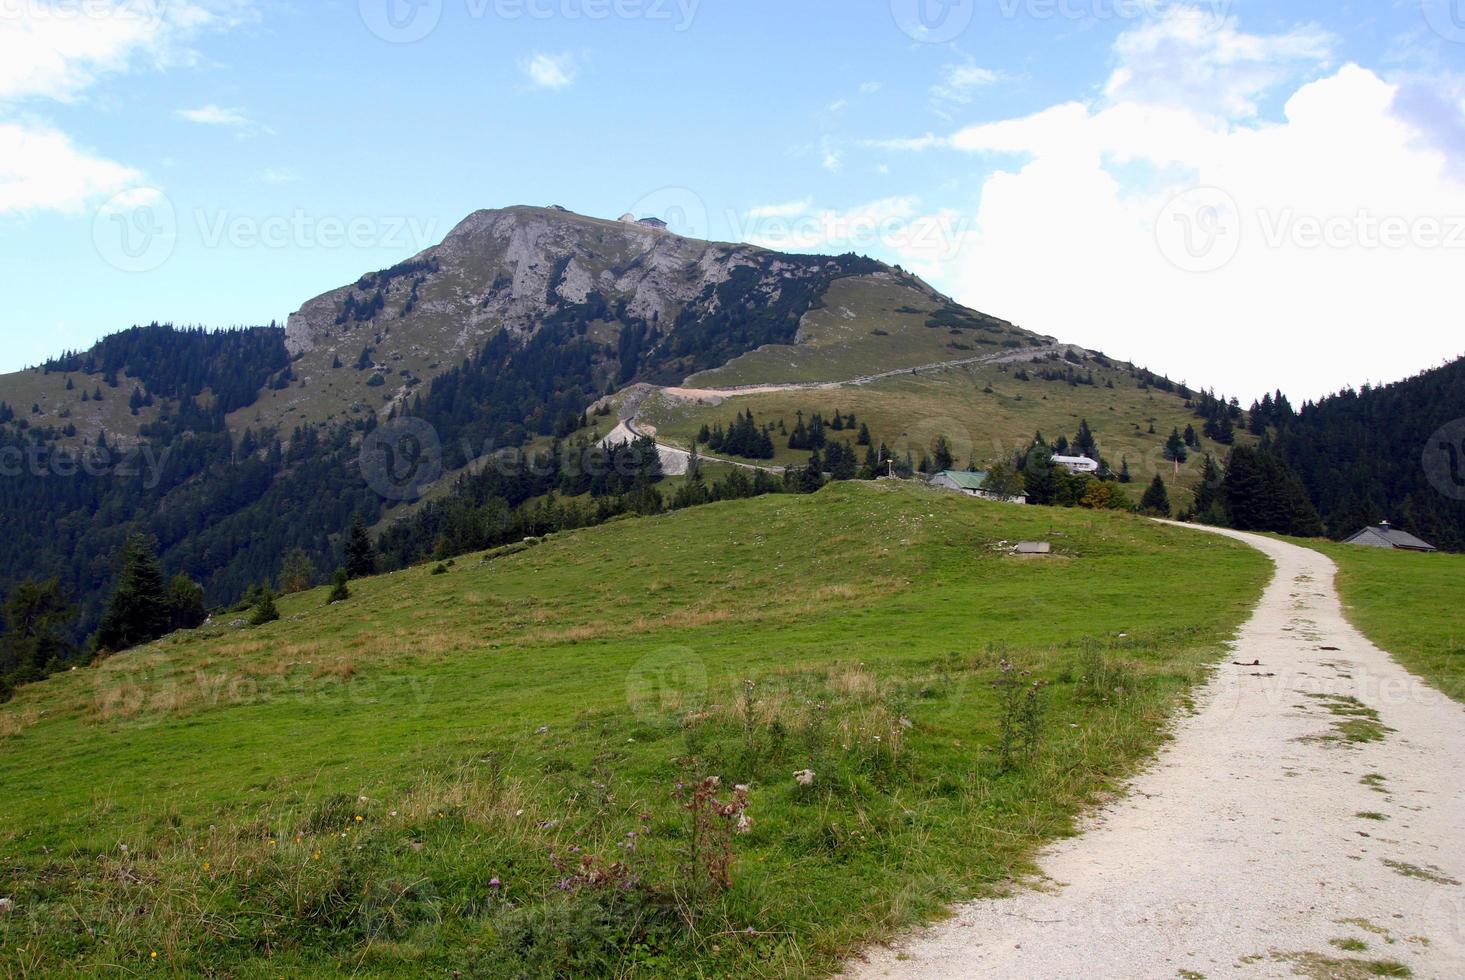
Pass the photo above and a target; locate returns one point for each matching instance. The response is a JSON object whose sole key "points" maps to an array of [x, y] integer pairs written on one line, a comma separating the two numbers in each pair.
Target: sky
{"points": [[1243, 194]]}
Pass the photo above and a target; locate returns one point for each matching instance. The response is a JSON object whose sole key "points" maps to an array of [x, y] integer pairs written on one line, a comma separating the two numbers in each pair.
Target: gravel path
{"points": [[1248, 848]]}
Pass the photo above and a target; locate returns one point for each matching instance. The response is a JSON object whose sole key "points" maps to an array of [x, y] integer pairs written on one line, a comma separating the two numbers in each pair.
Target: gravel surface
{"points": [[1253, 845]]}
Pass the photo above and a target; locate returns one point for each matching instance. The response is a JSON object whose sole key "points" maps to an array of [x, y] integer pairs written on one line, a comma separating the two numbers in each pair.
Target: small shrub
{"points": [[340, 592], [264, 609]]}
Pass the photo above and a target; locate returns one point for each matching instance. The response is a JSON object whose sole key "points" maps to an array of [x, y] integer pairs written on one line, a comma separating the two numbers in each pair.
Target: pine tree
{"points": [[1124, 476], [1175, 450], [1040, 479], [864, 437], [185, 601], [1084, 442], [942, 459], [264, 608], [1225, 431], [1207, 507], [1260, 493], [137, 611], [340, 592], [1156, 499], [37, 615], [360, 553]]}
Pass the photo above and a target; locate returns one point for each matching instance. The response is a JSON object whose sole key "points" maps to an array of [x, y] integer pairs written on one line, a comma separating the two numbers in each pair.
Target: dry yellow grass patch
{"points": [[12, 723], [343, 668]]}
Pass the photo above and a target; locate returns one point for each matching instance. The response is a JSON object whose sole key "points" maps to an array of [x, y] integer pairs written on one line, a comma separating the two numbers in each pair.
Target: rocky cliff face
{"points": [[655, 306], [508, 269]]}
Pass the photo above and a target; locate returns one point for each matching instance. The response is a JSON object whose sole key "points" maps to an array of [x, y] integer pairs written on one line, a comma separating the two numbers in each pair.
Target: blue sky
{"points": [[221, 161]]}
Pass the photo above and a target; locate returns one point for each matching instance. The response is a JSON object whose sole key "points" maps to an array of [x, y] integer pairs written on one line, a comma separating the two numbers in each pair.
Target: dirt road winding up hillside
{"points": [[1262, 842]]}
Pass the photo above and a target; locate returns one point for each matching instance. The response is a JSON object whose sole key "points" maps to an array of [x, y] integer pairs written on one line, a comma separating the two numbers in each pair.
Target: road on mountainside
{"points": [[1260, 842], [674, 461], [1005, 357]]}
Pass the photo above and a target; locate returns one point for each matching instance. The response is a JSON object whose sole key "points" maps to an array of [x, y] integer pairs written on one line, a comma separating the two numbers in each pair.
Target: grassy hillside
{"points": [[984, 410], [1412, 605], [478, 770], [869, 325], [60, 407]]}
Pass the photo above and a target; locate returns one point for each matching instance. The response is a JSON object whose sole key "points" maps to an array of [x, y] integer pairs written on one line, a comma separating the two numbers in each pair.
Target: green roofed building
{"points": [[973, 484]]}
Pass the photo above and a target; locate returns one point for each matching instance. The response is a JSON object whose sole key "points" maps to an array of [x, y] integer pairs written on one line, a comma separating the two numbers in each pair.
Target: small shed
{"points": [[1385, 535], [971, 484], [968, 483], [1033, 548]]}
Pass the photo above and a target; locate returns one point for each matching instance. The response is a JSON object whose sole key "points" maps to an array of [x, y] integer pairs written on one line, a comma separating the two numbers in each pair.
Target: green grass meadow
{"points": [[493, 770], [1410, 604]]}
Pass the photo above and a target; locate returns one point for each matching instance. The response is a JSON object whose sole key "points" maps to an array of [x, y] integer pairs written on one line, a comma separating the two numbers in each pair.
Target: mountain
{"points": [[525, 329]]}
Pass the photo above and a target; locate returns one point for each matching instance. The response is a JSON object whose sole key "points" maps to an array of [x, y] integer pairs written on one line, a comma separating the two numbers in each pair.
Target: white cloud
{"points": [[279, 175], [914, 144], [959, 83], [57, 51], [1195, 59], [212, 115], [832, 156], [896, 224], [838, 105], [1319, 293], [42, 170], [550, 71], [869, 88], [789, 210]]}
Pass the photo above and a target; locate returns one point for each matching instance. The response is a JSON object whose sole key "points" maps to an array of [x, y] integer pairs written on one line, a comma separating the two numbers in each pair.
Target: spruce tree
{"points": [[37, 615], [360, 553], [264, 608], [137, 612], [1175, 450], [340, 592], [1156, 499], [1208, 495], [1084, 442], [942, 459]]}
